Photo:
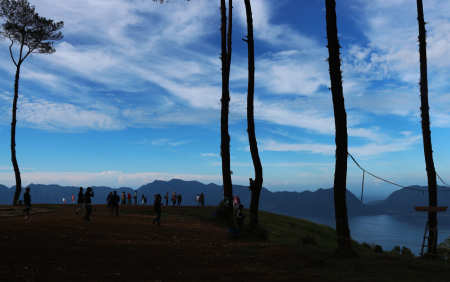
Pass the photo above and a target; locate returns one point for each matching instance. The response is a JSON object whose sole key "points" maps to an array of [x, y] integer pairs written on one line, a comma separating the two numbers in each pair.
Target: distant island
{"points": [[318, 203]]}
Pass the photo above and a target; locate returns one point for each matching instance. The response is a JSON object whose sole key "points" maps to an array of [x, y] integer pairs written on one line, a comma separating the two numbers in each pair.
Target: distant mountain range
{"points": [[319, 203]]}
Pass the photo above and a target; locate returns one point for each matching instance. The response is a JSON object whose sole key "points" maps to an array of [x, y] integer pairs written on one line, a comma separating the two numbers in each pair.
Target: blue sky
{"points": [[132, 94]]}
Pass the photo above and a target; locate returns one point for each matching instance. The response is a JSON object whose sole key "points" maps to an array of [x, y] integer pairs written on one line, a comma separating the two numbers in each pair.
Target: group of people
{"points": [[84, 199], [200, 199], [176, 199]]}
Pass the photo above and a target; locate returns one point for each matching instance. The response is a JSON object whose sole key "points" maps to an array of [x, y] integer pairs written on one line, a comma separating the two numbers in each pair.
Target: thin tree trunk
{"points": [[256, 185], [340, 119], [225, 137], [426, 132], [13, 138]]}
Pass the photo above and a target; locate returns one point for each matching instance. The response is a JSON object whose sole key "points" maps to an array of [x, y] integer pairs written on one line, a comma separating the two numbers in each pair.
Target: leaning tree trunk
{"points": [[426, 132], [225, 136], [13, 138], [256, 185], [340, 119]]}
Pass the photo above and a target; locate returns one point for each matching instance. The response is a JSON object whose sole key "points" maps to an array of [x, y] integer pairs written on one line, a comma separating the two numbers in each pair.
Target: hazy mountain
{"points": [[404, 200], [319, 202]]}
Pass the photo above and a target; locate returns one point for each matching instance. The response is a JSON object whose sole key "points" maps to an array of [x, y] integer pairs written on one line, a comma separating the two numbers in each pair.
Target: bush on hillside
{"points": [[224, 215], [443, 249], [309, 240], [254, 232]]}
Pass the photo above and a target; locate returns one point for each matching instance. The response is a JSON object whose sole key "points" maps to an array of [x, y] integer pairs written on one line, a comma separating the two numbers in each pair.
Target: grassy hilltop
{"points": [[55, 245]]}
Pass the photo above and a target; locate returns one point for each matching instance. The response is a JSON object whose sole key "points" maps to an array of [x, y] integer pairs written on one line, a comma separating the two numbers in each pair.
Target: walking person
{"points": [[108, 199], [124, 198], [174, 198], [115, 199], [157, 209], [166, 197], [27, 201], [135, 197], [240, 217], [129, 199], [80, 201], [87, 201], [142, 199], [179, 199]]}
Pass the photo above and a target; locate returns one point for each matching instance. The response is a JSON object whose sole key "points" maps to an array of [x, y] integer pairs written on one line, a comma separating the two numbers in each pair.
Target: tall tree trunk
{"points": [[13, 138], [340, 119], [256, 185], [426, 132], [225, 136]]}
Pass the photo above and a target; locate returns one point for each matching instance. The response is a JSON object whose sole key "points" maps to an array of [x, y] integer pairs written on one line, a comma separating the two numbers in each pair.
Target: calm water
{"points": [[390, 230]]}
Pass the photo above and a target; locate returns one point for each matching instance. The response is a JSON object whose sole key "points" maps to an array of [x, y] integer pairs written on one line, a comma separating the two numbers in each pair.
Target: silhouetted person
{"points": [[142, 199], [174, 198], [129, 199], [80, 200], [27, 201], [179, 199], [202, 199], [197, 199], [157, 209], [166, 197], [240, 217], [115, 199], [87, 202], [124, 198], [108, 200], [135, 197]]}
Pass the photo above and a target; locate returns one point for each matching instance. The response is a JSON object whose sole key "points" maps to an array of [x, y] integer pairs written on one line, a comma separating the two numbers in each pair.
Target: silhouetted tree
{"points": [[426, 132], [26, 29], [255, 185], [340, 120], [225, 100]]}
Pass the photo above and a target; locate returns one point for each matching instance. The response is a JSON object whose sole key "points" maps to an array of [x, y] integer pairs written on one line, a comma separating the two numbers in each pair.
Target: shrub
{"points": [[255, 232], [366, 245], [378, 249], [407, 252], [224, 215], [308, 240]]}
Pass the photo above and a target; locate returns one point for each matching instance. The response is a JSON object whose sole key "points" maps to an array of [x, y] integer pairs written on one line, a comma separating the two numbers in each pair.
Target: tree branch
{"points": [[10, 51]]}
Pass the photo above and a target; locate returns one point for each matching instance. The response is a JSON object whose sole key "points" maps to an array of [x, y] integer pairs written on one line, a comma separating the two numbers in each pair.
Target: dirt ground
{"points": [[55, 244]]}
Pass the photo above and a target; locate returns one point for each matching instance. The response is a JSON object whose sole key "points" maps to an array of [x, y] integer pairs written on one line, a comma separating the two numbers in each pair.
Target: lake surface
{"points": [[390, 230]]}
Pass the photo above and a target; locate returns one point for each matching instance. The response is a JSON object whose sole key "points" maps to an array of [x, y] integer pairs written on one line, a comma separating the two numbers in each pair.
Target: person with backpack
{"points": [[87, 201], [135, 197], [108, 200], [179, 199], [157, 209], [129, 199], [115, 199], [240, 217], [80, 201], [27, 201], [142, 199], [197, 199]]}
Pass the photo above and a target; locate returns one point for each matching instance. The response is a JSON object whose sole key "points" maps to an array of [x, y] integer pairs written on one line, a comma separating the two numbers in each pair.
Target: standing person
{"points": [[179, 199], [166, 197], [129, 199], [202, 199], [124, 198], [27, 201], [80, 201], [240, 217], [108, 200], [174, 198], [142, 199], [87, 201], [197, 199], [115, 199], [135, 197], [157, 209]]}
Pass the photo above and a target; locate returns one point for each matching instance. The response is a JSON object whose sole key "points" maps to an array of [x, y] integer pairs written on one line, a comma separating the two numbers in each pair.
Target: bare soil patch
{"points": [[55, 244]]}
